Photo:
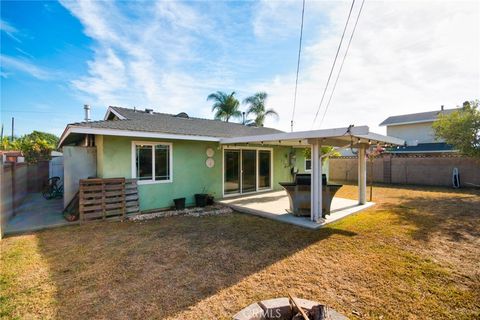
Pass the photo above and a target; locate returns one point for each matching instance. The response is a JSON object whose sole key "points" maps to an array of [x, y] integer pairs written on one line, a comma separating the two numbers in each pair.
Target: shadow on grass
{"points": [[455, 217], [159, 268]]}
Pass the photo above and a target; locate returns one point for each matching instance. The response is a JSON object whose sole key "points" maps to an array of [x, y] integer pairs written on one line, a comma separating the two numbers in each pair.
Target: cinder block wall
{"points": [[415, 170]]}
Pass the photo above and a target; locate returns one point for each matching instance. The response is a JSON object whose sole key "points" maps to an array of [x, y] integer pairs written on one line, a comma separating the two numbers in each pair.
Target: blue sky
{"points": [[405, 57]]}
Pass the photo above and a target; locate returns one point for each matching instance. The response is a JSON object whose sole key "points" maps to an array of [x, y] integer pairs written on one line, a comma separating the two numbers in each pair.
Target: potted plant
{"points": [[201, 198], [210, 199], [179, 203]]}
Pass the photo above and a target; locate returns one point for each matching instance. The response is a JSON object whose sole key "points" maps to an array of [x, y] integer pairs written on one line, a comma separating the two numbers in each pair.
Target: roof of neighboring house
{"points": [[429, 116], [134, 120], [11, 153], [435, 147]]}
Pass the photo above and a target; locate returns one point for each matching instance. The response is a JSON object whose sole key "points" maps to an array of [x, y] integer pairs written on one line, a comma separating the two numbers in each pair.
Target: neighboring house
{"points": [[416, 129], [11, 156], [175, 156]]}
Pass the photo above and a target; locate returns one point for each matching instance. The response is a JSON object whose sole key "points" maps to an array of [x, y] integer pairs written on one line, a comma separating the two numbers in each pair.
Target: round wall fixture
{"points": [[210, 163], [210, 152]]}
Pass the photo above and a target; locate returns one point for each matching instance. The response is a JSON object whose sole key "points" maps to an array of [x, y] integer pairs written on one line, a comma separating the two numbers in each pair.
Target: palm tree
{"points": [[257, 107], [225, 105]]}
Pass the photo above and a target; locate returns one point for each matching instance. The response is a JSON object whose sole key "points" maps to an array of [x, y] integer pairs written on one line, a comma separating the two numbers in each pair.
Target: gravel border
{"points": [[214, 210]]}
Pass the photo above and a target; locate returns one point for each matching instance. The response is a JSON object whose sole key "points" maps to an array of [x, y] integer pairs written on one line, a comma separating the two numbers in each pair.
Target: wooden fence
{"points": [[107, 198]]}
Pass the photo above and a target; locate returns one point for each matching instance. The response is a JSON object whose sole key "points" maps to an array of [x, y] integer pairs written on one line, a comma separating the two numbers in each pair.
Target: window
{"points": [[308, 164], [152, 162]]}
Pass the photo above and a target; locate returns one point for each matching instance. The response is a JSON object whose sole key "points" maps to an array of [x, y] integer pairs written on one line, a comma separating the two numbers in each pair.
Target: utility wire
{"points": [[333, 65], [341, 65], [298, 68]]}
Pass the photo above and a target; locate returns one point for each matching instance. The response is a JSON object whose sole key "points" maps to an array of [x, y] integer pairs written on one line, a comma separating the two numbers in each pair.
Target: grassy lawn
{"points": [[415, 255]]}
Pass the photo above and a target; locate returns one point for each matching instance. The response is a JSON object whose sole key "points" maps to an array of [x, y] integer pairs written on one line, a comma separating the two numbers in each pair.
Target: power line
{"points": [[333, 65], [298, 68], [341, 65]]}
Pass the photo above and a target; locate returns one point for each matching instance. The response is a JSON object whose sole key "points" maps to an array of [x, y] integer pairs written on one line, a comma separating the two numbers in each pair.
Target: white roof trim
{"points": [[361, 132], [111, 110], [300, 135], [381, 138], [128, 133], [407, 122]]}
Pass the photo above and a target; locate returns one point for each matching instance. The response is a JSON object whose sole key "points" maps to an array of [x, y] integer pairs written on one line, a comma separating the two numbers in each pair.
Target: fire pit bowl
{"points": [[281, 309]]}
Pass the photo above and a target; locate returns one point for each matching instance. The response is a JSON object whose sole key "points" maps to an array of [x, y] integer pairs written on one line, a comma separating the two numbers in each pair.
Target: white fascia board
{"points": [[300, 135], [111, 110], [381, 138], [64, 135], [407, 122], [138, 134]]}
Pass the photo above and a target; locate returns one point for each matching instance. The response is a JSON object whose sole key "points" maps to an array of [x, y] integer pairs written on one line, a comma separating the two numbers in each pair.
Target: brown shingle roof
{"points": [[140, 120]]}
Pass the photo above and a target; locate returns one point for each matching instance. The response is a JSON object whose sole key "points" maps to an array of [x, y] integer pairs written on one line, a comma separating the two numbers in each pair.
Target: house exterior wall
{"points": [[422, 132], [190, 173], [78, 163]]}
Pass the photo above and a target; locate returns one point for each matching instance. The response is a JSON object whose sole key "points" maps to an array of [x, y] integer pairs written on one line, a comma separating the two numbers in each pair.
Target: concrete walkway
{"points": [[35, 213], [275, 205]]}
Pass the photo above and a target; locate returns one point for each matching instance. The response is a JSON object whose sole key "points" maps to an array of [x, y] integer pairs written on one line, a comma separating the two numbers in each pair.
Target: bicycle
{"points": [[52, 189]]}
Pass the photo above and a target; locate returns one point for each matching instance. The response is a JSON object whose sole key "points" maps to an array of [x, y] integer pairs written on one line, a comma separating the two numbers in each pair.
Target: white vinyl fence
{"points": [[56, 167]]}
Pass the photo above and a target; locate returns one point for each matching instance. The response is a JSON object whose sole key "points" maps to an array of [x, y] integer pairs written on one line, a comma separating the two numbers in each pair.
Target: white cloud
{"points": [[405, 57], [139, 55], [9, 30], [24, 66]]}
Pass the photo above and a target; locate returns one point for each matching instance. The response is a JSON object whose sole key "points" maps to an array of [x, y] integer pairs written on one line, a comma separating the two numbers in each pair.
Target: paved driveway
{"points": [[36, 213]]}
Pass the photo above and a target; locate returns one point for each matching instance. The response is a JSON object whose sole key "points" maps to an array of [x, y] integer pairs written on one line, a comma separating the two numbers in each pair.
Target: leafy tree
{"points": [[324, 150], [225, 105], [256, 106], [6, 144], [49, 137], [461, 129], [34, 146]]}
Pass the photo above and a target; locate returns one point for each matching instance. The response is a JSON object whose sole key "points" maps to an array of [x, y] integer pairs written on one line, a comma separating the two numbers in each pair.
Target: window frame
{"points": [[153, 144]]}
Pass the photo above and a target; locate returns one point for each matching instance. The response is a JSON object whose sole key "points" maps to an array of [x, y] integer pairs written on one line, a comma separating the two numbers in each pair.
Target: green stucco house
{"points": [[174, 156]]}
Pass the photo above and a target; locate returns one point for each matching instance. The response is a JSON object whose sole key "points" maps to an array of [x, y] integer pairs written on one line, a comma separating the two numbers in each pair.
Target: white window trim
{"points": [[153, 144], [257, 189]]}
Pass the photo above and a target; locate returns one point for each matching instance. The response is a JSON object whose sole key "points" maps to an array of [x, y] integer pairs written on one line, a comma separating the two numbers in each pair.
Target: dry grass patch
{"points": [[414, 255]]}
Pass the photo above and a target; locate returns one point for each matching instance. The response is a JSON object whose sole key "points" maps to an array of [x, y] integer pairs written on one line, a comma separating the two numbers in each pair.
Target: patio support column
{"points": [[362, 174], [316, 181]]}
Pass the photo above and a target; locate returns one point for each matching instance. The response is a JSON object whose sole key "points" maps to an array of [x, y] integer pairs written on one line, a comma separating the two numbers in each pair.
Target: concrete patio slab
{"points": [[275, 205], [36, 213]]}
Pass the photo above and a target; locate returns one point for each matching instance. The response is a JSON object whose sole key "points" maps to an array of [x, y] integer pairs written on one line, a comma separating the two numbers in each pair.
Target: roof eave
{"points": [[130, 133], [405, 122]]}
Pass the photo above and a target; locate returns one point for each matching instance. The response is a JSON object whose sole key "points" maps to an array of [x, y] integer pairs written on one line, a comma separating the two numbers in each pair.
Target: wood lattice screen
{"points": [[107, 198]]}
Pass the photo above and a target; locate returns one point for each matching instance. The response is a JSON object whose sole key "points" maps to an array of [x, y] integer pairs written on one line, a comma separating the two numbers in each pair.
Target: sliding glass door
{"points": [[247, 170], [232, 172], [264, 170]]}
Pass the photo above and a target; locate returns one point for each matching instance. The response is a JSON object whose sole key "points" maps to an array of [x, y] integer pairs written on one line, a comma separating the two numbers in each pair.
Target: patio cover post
{"points": [[316, 181], [362, 174]]}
